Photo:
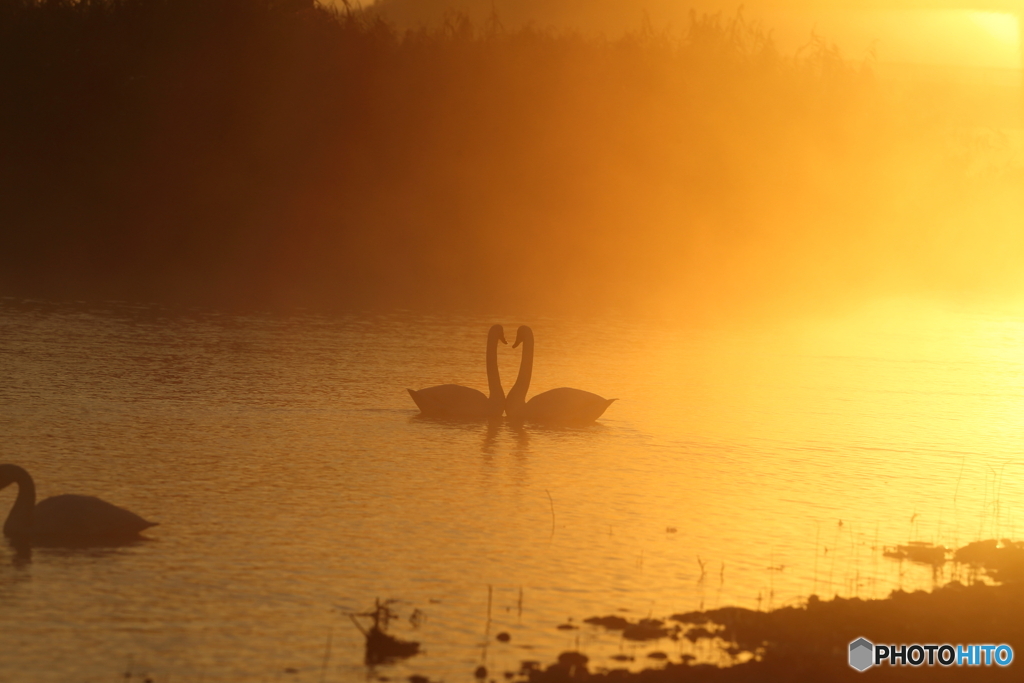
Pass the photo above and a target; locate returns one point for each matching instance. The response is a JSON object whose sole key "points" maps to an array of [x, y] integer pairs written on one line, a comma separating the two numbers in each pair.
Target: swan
{"points": [[65, 519], [454, 400], [562, 406]]}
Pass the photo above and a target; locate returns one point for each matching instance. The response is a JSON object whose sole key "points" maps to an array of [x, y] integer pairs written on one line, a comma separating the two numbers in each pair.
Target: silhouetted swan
{"points": [[457, 401], [563, 406], [66, 519]]}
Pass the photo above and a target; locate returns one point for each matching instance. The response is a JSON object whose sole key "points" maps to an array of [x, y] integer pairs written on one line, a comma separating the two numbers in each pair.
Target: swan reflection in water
{"points": [[558, 407], [459, 402], [67, 520]]}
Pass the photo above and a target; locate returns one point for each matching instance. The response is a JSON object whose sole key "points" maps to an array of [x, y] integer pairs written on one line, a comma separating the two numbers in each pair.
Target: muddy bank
{"points": [[811, 643]]}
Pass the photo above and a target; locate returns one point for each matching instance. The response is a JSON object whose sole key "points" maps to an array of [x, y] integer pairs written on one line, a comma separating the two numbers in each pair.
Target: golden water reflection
{"points": [[749, 465]]}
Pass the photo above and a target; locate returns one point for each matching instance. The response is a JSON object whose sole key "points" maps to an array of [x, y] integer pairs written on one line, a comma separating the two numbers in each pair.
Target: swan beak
{"points": [[502, 339], [521, 335]]}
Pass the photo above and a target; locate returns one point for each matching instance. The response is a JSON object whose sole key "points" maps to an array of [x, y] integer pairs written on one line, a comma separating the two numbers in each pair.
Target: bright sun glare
{"points": [[942, 36], [1003, 28]]}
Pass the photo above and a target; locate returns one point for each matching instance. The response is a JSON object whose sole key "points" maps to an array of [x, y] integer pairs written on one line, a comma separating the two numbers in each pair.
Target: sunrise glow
{"points": [[533, 341], [1004, 28]]}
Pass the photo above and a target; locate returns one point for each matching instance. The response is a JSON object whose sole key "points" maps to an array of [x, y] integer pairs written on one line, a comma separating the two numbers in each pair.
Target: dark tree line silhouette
{"points": [[254, 153]]}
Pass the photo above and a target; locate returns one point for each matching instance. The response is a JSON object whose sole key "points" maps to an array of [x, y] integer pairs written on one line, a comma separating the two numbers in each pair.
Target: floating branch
{"points": [[382, 648]]}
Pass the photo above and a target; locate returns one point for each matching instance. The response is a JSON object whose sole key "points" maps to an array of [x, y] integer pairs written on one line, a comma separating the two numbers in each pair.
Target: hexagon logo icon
{"points": [[861, 654]]}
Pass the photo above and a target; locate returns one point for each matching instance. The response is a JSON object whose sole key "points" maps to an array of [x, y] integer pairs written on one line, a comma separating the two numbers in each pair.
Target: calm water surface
{"points": [[294, 483]]}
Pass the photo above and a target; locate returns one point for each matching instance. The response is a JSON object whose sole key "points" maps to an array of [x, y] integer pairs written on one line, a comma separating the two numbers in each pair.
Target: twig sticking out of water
{"points": [[327, 656], [487, 626], [956, 491], [721, 584], [999, 487], [552, 502], [487, 635], [835, 545], [817, 537]]}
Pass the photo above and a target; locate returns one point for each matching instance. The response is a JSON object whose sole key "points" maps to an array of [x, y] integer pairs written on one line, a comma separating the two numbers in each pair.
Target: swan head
{"points": [[497, 332], [9, 474], [523, 334]]}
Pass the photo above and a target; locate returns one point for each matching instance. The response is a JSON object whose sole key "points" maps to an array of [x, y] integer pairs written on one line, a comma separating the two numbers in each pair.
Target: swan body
{"points": [[457, 401], [67, 519], [566, 405], [562, 406], [453, 400]]}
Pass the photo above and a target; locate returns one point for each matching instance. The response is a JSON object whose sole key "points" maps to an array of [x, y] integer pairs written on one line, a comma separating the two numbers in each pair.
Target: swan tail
{"points": [[604, 407], [415, 399]]}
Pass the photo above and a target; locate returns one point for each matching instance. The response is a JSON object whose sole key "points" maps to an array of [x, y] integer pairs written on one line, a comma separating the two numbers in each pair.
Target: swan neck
{"points": [[493, 378], [517, 394], [19, 520]]}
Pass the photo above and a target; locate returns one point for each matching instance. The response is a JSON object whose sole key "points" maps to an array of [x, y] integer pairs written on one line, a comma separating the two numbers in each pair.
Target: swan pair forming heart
{"points": [[85, 520], [563, 406]]}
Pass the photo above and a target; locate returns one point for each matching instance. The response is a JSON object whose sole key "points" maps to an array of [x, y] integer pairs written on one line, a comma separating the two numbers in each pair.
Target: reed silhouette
{"points": [[245, 153], [381, 647]]}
